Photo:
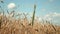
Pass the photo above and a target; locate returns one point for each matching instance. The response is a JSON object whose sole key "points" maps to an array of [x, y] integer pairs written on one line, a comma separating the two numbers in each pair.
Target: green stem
{"points": [[33, 15]]}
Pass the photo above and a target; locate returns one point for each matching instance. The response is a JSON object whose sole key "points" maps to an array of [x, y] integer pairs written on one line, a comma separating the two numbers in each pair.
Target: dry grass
{"points": [[10, 25]]}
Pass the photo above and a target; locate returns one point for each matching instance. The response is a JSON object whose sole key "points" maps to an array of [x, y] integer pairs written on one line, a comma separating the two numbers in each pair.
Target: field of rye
{"points": [[10, 25]]}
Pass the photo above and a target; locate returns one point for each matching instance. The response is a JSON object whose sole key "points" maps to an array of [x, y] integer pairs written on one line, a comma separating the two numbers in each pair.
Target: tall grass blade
{"points": [[33, 15]]}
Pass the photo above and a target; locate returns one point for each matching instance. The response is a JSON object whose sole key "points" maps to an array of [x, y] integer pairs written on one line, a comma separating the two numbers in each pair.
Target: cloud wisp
{"points": [[51, 16], [11, 5]]}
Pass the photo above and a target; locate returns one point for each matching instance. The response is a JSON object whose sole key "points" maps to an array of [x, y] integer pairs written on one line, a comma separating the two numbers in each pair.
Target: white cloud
{"points": [[11, 5], [56, 14], [51, 16]]}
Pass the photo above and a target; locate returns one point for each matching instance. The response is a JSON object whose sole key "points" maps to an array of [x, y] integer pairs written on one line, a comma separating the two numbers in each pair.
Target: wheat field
{"points": [[11, 25]]}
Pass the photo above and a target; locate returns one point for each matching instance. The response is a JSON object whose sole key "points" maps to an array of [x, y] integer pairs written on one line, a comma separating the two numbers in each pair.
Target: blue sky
{"points": [[44, 8]]}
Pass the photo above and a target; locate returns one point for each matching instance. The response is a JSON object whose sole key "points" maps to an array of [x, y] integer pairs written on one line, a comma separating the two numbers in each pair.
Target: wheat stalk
{"points": [[33, 15]]}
